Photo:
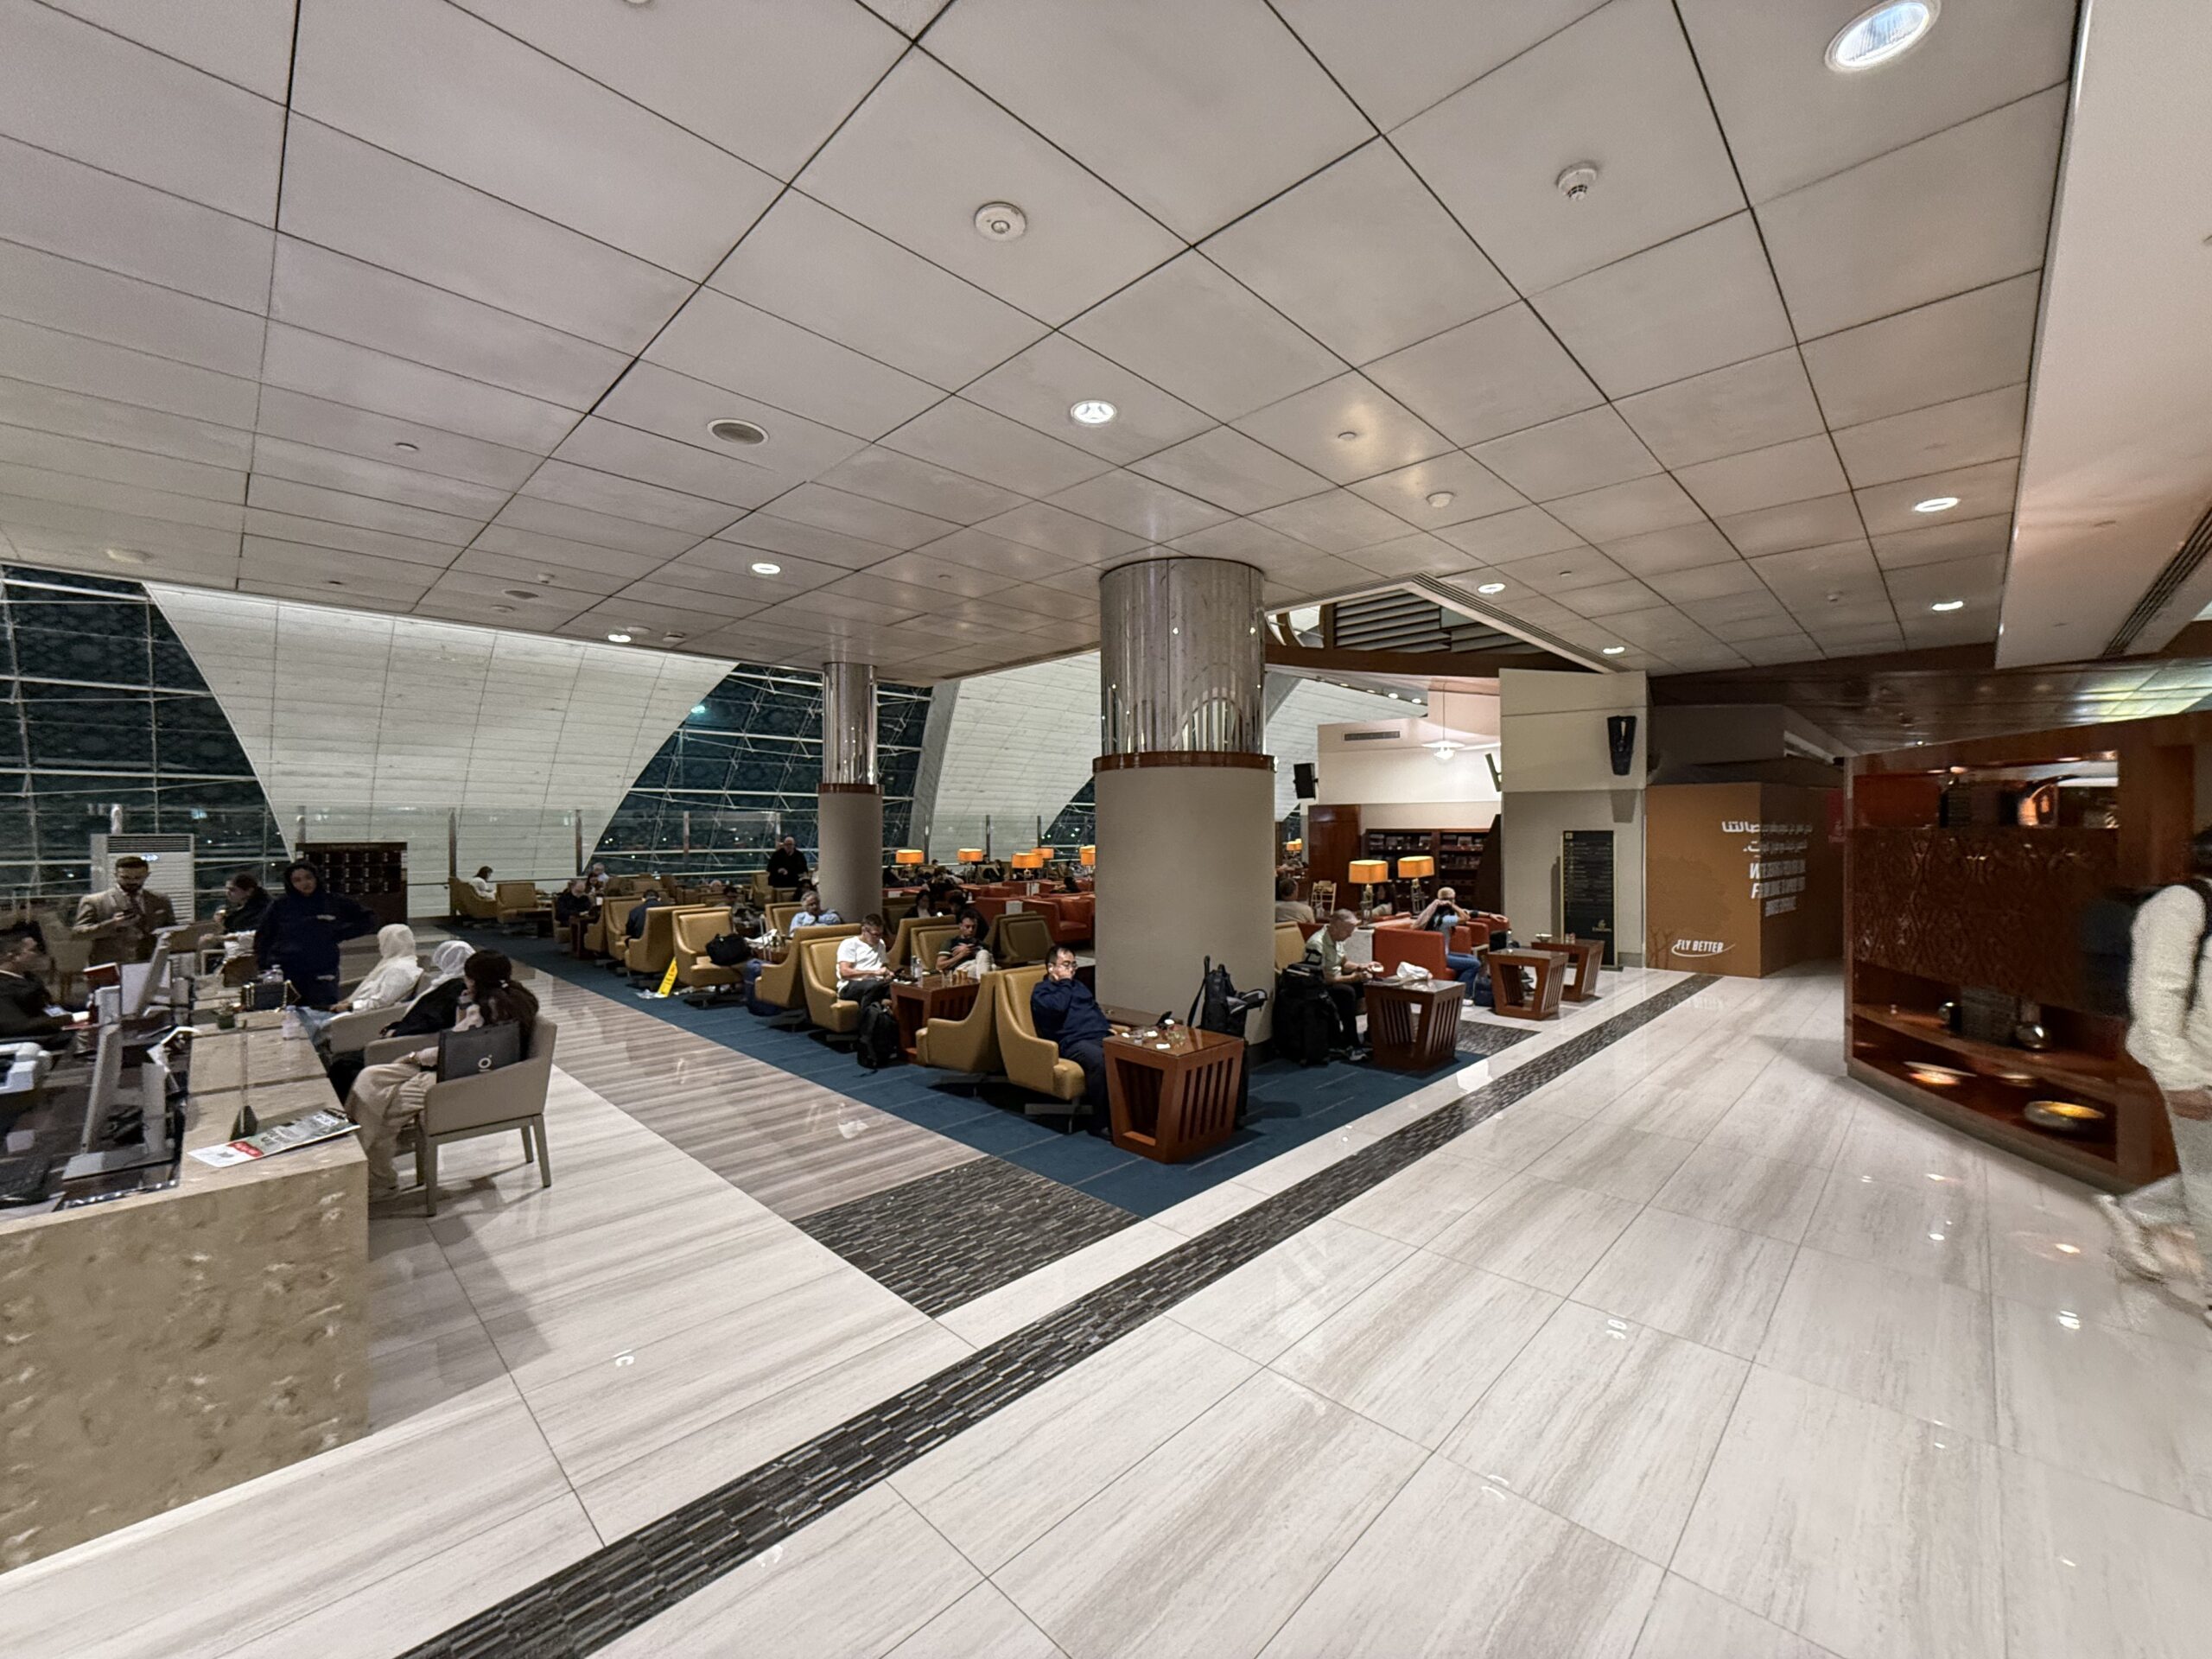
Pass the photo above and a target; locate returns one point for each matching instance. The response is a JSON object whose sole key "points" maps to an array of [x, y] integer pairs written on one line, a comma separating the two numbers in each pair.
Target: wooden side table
{"points": [[1413, 1026], [1173, 1103], [933, 996], [1511, 999], [1587, 955]]}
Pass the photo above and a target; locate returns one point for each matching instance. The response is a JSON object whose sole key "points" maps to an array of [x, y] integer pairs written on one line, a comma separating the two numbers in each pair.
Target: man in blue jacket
{"points": [[1065, 1012]]}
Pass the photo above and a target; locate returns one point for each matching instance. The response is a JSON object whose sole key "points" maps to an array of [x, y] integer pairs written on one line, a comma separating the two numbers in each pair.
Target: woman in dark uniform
{"points": [[301, 932]]}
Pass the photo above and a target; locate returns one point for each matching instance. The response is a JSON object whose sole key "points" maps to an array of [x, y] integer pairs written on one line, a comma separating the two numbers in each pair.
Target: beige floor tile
{"points": [[1270, 1302], [1711, 1284], [1417, 1203], [1741, 1190], [1512, 1139], [1690, 1622], [998, 1312], [1537, 1232], [982, 1624], [1931, 1232], [1621, 1162], [2091, 1569]]}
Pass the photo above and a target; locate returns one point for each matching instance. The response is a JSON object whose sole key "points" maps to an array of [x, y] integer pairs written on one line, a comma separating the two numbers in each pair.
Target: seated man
{"points": [[633, 925], [966, 946], [1289, 907], [1065, 1012], [863, 976], [27, 1012], [573, 909], [1343, 980], [812, 914]]}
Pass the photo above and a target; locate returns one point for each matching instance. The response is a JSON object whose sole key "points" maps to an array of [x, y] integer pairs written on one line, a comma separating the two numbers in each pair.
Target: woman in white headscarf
{"points": [[394, 979], [436, 1005]]}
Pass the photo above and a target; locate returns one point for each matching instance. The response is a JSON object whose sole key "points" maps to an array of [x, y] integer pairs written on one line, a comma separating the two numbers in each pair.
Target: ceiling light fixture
{"points": [[1346, 437], [1948, 605], [739, 432], [1441, 499], [126, 556], [1613, 651], [618, 638], [1091, 412], [1937, 504], [520, 592], [405, 448], [1000, 221], [1491, 588], [1881, 33], [763, 568]]}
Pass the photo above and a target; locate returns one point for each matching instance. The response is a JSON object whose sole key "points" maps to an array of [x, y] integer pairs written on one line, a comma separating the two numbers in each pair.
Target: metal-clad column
{"points": [[849, 816]]}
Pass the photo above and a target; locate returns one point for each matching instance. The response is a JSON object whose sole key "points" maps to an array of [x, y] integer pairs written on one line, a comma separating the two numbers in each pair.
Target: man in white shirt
{"points": [[2170, 1032], [863, 975]]}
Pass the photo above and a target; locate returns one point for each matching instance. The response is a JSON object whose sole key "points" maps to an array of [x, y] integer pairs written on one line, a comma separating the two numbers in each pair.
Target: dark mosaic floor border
{"points": [[593, 1602], [943, 1240]]}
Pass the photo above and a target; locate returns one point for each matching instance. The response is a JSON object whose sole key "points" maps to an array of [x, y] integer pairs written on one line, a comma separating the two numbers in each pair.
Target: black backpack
{"points": [[879, 1035], [1305, 1025], [2109, 944]]}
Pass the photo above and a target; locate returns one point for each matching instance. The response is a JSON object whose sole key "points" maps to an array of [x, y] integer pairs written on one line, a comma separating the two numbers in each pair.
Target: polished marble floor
{"points": [[1689, 1348]]}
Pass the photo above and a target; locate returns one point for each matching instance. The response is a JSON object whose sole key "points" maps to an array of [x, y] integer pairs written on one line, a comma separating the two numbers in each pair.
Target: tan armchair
{"points": [[518, 901], [825, 1004], [926, 934], [778, 983], [512, 1098], [694, 973], [968, 1044], [1031, 1061], [349, 1034], [648, 955], [467, 904], [780, 916], [1022, 938], [1290, 944]]}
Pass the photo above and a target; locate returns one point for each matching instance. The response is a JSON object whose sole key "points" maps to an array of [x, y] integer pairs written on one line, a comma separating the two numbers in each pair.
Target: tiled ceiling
{"points": [[424, 307]]}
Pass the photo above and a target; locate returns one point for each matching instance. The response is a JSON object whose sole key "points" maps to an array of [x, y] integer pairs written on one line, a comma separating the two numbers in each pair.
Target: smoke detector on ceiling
{"points": [[1577, 180], [1000, 221], [742, 432]]}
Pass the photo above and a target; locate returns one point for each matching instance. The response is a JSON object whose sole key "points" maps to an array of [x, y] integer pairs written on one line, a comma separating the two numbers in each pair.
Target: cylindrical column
{"points": [[849, 808], [1185, 795]]}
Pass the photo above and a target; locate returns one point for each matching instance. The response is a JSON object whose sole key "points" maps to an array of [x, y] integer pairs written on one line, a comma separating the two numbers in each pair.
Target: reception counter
{"points": [[170, 1343]]}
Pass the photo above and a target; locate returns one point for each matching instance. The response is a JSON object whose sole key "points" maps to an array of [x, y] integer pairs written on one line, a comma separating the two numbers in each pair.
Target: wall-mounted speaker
{"points": [[1302, 778], [1620, 742]]}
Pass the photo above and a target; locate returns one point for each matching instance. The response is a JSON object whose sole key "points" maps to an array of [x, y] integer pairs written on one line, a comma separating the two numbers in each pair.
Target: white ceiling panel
{"points": [[1752, 405], [651, 458], [1971, 342], [1002, 560], [1418, 555], [1965, 209], [334, 469], [1563, 571], [1039, 385], [425, 80], [1502, 537], [1962, 433], [1697, 302], [627, 498], [1065, 534], [1397, 57], [975, 441], [1610, 600], [675, 405], [1195, 110], [248, 42], [1940, 543], [1468, 489], [1362, 257], [1977, 581], [1797, 470], [1335, 522], [926, 150], [537, 515], [1815, 571], [1192, 329], [1245, 539], [766, 82], [79, 299], [488, 572], [859, 515], [302, 532], [1139, 506], [328, 425], [766, 532], [128, 426], [1229, 470], [1816, 523], [1484, 378], [541, 552], [728, 343], [81, 92], [1980, 492], [275, 494], [920, 486], [409, 391], [728, 567], [1791, 119], [40, 483], [1618, 90], [81, 458], [95, 369], [1620, 511], [1345, 430], [347, 196], [26, 515], [330, 294], [1707, 582], [1659, 552], [1583, 452]]}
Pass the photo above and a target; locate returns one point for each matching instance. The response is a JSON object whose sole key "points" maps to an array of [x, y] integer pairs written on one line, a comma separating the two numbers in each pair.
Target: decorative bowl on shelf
{"points": [[2064, 1117], [1935, 1077], [2018, 1080]]}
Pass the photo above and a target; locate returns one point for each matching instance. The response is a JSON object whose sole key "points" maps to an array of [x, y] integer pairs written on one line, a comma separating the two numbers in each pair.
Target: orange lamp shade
{"points": [[1368, 870], [1090, 855], [1028, 861], [1293, 846], [907, 855], [969, 855], [1414, 868]]}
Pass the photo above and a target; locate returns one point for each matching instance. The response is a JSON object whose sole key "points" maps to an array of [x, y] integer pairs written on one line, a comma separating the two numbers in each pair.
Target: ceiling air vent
{"points": [[2179, 568], [1370, 737]]}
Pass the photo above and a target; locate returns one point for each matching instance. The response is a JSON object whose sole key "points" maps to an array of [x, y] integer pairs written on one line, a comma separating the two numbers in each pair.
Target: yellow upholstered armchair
{"points": [[1022, 938], [818, 972], [780, 916], [1031, 1061], [467, 904], [968, 1044], [1290, 944], [648, 955], [778, 983], [697, 976], [926, 934]]}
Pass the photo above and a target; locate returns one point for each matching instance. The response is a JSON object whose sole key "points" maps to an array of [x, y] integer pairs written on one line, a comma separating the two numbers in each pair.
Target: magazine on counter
{"points": [[307, 1130]]}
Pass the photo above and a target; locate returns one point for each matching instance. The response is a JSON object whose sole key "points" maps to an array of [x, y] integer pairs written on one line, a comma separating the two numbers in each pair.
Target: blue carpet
{"points": [[1290, 1104]]}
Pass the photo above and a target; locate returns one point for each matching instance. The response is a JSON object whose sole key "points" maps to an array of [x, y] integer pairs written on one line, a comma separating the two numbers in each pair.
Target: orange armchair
{"points": [[1396, 945]]}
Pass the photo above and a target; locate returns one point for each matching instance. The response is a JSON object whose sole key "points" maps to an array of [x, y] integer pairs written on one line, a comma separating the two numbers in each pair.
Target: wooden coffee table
{"points": [[1413, 1026], [1510, 1000], [1174, 1102], [933, 996], [1588, 956]]}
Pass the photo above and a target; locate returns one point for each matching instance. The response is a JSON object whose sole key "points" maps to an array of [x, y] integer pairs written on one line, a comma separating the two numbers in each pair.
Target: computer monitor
{"points": [[107, 1085], [141, 980]]}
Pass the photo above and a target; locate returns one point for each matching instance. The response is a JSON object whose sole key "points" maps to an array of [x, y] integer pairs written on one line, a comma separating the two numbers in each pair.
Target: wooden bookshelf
{"points": [[1459, 854], [373, 874]]}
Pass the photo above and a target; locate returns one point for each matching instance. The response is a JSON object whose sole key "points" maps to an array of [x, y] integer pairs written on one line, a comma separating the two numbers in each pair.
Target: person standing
{"points": [[786, 865], [2169, 1033], [121, 920], [303, 930], [245, 901]]}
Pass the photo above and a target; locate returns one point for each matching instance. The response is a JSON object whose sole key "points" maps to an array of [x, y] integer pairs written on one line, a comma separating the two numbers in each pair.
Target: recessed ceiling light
{"points": [[1948, 605], [1091, 412], [1441, 499], [1000, 221], [618, 638], [332, 582], [1613, 651], [1491, 588], [406, 447], [503, 610], [1877, 36], [763, 568], [1937, 504], [520, 592], [1346, 437], [126, 556], [739, 432]]}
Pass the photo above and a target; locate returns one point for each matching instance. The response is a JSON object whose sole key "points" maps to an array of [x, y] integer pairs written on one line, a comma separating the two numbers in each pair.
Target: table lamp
{"points": [[1295, 848], [1090, 856], [907, 855], [1367, 872], [969, 855], [1413, 869]]}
